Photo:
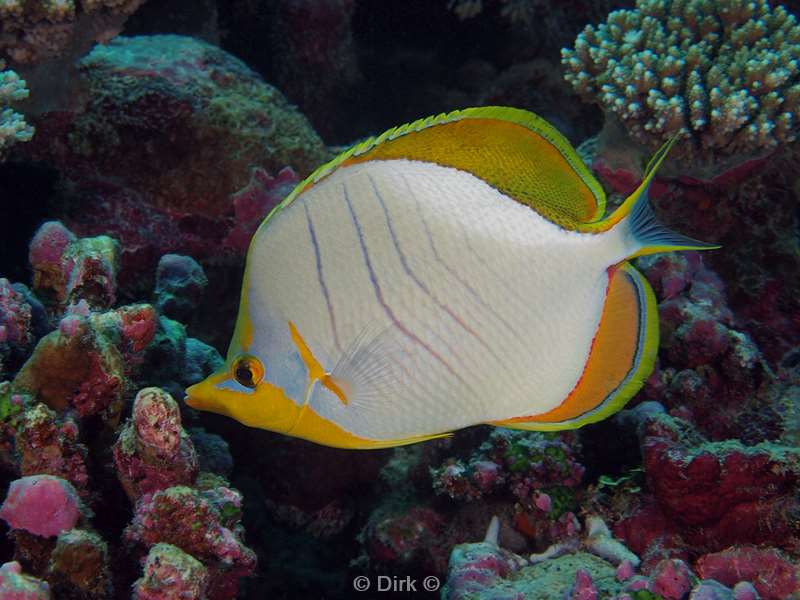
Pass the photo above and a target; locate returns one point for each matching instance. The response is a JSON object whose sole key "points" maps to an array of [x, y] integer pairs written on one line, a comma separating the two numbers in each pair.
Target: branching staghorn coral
{"points": [[13, 127], [34, 30], [726, 73]]}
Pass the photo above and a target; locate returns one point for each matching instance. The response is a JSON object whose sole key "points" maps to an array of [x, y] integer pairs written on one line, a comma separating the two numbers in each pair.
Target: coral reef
{"points": [[315, 37], [180, 281], [253, 202], [722, 73], [66, 268], [202, 523], [704, 353], [153, 452], [62, 411], [15, 585], [485, 570], [13, 127], [171, 573], [16, 327], [35, 30], [79, 566], [178, 121], [47, 444], [539, 471], [88, 362], [156, 158], [42, 505]]}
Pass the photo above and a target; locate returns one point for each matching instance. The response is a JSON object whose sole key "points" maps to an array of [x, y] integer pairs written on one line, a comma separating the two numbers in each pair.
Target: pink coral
{"points": [[672, 579], [583, 588], [16, 327], [15, 316], [41, 504], [88, 365]]}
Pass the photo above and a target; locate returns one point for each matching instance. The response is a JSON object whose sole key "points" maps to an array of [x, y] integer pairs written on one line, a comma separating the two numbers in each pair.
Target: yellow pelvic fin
{"points": [[513, 150], [622, 356]]}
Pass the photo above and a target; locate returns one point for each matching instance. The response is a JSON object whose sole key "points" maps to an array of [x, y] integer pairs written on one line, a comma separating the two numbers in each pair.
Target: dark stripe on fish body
{"points": [[474, 293], [320, 276], [379, 295], [423, 287]]}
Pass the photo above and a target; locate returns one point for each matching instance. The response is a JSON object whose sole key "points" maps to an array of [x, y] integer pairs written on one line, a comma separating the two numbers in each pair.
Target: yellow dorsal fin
{"points": [[622, 355], [513, 150]]}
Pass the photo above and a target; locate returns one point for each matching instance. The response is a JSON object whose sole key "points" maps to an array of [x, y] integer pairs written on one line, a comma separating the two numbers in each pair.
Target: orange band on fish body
{"points": [[315, 370]]}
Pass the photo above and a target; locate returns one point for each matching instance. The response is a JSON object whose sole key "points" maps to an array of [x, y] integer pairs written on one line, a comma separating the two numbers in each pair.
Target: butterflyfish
{"points": [[452, 271]]}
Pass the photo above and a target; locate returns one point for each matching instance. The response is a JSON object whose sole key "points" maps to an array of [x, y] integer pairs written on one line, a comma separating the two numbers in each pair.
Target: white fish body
{"points": [[394, 298]]}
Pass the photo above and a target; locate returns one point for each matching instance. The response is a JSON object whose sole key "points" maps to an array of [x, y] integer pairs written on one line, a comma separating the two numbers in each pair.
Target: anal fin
{"points": [[622, 356]]}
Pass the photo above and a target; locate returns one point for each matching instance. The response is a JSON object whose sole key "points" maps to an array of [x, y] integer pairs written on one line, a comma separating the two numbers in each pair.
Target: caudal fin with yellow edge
{"points": [[648, 235]]}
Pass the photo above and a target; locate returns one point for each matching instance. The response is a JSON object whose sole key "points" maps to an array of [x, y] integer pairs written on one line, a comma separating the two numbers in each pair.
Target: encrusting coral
{"points": [[13, 127], [724, 73]]}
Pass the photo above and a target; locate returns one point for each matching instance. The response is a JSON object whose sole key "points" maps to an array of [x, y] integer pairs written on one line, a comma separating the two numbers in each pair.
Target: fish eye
{"points": [[248, 371]]}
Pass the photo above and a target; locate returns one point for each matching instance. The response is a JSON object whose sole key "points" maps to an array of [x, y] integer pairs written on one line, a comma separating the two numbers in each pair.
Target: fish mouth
{"points": [[193, 397]]}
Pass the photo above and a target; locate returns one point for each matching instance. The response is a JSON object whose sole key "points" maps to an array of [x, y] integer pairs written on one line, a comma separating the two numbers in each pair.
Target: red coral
{"points": [[774, 575], [254, 202]]}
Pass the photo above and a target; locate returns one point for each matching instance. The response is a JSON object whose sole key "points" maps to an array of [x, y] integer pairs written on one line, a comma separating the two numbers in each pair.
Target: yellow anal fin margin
{"points": [[622, 356], [311, 426]]}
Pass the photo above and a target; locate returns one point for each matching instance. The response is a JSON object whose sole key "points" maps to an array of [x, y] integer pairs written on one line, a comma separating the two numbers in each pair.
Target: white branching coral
{"points": [[726, 73], [13, 127]]}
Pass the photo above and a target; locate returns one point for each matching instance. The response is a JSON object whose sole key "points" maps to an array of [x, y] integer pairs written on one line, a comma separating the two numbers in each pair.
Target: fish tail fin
{"points": [[644, 233]]}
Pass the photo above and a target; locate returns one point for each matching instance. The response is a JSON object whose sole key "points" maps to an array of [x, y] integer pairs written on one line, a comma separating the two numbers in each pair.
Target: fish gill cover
{"points": [[154, 157]]}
